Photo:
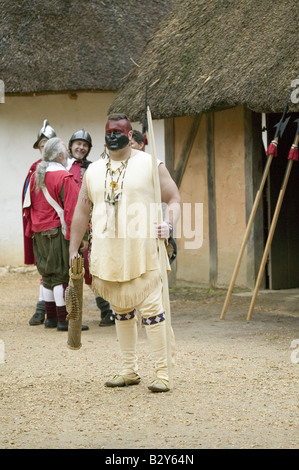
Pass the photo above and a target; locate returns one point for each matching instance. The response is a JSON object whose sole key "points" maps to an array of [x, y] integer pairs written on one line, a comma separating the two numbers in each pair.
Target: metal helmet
{"points": [[46, 132], [82, 134]]}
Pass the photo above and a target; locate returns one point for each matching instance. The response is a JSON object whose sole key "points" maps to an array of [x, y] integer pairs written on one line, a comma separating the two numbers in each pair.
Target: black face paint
{"points": [[116, 141]]}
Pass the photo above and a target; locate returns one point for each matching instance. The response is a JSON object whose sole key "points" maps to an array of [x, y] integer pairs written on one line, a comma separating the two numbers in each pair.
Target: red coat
{"points": [[28, 243], [76, 170], [41, 215]]}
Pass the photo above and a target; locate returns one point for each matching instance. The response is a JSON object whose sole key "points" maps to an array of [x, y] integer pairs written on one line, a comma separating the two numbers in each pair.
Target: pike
{"points": [[161, 247], [271, 152], [293, 156], [144, 121]]}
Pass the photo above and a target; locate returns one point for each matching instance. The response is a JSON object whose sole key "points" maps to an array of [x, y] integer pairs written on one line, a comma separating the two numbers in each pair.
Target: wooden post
{"points": [[212, 199]]}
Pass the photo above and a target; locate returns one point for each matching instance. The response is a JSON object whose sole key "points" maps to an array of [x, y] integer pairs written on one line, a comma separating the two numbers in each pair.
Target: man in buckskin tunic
{"points": [[124, 258]]}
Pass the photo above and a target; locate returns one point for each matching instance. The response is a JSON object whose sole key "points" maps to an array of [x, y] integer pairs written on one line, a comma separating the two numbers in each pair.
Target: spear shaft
{"points": [[161, 246], [271, 152], [273, 224]]}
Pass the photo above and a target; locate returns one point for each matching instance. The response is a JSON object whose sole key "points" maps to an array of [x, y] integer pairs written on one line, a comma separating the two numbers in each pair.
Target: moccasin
{"points": [[123, 380], [159, 385]]}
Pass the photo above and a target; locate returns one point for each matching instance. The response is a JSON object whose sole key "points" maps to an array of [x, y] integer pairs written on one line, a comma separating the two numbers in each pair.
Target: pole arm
{"points": [[161, 247]]}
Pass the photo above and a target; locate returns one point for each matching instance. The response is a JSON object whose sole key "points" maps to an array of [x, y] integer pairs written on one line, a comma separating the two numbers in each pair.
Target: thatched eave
{"points": [[215, 55], [59, 46]]}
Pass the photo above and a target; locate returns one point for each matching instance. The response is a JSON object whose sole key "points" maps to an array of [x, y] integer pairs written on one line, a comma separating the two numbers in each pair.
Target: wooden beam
{"points": [[253, 176], [212, 199], [183, 160], [169, 144]]}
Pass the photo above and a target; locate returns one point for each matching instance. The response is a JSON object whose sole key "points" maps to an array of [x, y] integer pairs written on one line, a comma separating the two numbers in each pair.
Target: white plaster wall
{"points": [[21, 117]]}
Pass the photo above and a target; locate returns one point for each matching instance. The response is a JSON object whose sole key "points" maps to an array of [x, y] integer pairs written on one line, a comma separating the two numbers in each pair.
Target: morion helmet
{"points": [[82, 134], [46, 132]]}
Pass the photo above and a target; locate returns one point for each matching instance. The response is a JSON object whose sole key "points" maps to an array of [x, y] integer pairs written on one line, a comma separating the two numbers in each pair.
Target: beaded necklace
{"points": [[112, 195]]}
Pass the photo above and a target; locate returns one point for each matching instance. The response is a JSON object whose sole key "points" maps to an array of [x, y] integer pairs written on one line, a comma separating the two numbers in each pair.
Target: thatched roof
{"points": [[72, 45], [216, 54]]}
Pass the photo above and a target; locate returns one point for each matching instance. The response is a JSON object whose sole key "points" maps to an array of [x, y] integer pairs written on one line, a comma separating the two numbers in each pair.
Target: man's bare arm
{"points": [[80, 220], [171, 197]]}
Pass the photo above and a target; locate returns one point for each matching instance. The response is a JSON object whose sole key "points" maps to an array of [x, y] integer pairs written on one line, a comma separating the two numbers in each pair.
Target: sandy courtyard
{"points": [[235, 382]]}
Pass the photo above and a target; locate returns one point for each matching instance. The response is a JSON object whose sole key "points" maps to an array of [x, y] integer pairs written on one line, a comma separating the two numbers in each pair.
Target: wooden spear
{"points": [[271, 152], [292, 156], [161, 246], [246, 236]]}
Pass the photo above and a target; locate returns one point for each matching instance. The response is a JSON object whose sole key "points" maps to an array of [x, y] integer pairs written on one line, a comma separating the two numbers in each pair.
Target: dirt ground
{"points": [[235, 382]]}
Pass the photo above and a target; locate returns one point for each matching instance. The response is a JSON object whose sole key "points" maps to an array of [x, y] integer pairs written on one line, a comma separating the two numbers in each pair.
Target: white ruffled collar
{"points": [[55, 166]]}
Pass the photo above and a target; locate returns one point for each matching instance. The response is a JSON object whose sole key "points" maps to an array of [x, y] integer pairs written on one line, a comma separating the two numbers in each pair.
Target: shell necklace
{"points": [[113, 192]]}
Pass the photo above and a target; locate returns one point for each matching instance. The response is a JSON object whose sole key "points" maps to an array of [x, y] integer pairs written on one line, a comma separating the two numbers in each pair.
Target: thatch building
{"points": [[62, 61], [70, 45], [219, 72]]}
